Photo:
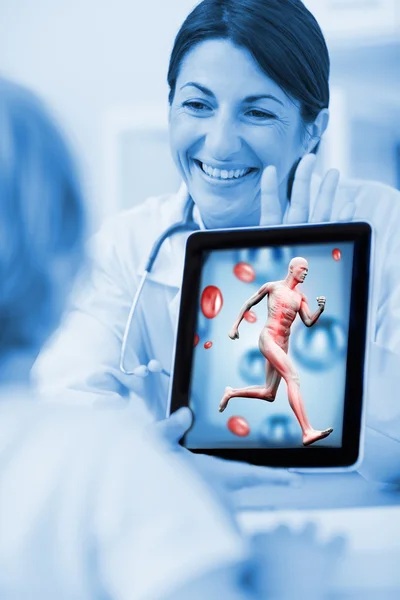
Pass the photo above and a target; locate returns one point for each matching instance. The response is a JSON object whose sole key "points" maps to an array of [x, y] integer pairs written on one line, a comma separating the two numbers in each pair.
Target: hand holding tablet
{"points": [[304, 365]]}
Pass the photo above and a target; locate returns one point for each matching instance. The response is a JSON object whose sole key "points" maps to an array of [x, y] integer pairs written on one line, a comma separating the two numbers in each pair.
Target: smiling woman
{"points": [[249, 100], [239, 104], [225, 130]]}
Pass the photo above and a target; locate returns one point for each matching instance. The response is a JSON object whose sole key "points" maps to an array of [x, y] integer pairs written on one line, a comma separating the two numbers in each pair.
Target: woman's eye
{"points": [[195, 105], [260, 114]]}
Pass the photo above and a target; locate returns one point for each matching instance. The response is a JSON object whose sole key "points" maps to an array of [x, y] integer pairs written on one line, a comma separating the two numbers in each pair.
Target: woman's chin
{"points": [[213, 220], [220, 211]]}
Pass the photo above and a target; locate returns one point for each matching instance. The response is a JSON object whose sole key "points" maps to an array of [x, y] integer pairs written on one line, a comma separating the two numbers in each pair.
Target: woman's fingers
{"points": [[300, 199], [326, 195], [271, 209], [299, 207]]}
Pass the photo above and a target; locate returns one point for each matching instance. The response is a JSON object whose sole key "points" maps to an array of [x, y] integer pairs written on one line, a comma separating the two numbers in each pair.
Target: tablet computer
{"points": [[271, 344]]}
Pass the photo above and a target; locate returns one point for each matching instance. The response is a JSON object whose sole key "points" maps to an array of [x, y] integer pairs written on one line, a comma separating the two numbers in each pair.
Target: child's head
{"points": [[42, 221]]}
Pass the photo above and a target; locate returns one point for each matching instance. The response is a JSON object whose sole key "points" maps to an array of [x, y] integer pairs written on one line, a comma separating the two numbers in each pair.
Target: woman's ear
{"points": [[316, 129]]}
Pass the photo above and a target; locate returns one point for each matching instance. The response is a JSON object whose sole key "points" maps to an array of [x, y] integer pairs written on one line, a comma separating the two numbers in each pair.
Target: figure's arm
{"points": [[310, 319], [252, 301]]}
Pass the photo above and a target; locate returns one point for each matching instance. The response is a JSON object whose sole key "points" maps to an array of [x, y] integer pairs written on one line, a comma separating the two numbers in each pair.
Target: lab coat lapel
{"points": [[168, 267]]}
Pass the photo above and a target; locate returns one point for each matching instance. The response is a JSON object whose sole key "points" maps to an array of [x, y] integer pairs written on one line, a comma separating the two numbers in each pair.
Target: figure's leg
{"points": [[284, 366], [261, 392], [273, 380]]}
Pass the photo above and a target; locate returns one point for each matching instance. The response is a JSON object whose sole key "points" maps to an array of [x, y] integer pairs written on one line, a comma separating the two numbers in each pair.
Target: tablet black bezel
{"points": [[206, 241]]}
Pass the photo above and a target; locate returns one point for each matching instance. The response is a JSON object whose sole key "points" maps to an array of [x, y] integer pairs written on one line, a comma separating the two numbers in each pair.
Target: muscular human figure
{"points": [[284, 302]]}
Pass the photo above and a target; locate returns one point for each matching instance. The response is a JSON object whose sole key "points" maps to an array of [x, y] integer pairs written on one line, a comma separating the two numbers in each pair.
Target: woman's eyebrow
{"points": [[203, 89], [251, 99], [247, 100]]}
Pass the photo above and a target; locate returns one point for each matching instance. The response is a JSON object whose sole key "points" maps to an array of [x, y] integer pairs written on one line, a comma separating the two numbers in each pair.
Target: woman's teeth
{"points": [[224, 174]]}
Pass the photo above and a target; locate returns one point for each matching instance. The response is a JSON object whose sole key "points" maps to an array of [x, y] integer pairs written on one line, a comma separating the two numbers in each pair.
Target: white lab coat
{"points": [[84, 355], [90, 509]]}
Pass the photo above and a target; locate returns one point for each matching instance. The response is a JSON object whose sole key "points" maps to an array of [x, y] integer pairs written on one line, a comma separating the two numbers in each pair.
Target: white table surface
{"points": [[367, 515], [318, 491]]}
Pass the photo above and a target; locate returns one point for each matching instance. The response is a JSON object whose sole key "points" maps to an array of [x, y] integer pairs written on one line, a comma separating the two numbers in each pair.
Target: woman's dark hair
{"points": [[282, 36]]}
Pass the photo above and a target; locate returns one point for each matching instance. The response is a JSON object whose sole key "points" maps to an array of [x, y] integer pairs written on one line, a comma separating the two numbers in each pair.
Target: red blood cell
{"points": [[207, 345], [244, 272], [336, 254], [239, 426], [250, 316], [196, 340], [211, 301]]}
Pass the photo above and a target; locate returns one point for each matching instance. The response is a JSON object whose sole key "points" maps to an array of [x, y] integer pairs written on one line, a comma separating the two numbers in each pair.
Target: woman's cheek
{"points": [[267, 145], [183, 139]]}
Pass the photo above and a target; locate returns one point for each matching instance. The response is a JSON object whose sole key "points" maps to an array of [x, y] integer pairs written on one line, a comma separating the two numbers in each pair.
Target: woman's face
{"points": [[228, 121]]}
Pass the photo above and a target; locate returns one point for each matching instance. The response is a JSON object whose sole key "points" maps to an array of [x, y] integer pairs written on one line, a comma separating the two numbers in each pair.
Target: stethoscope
{"points": [[187, 224]]}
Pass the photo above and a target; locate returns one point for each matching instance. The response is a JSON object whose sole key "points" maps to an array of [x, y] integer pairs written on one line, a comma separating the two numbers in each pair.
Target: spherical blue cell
{"points": [[280, 430], [269, 264], [252, 367], [318, 348]]}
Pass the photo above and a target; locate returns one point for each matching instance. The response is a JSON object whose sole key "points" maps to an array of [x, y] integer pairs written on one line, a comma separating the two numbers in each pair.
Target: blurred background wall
{"points": [[102, 68]]}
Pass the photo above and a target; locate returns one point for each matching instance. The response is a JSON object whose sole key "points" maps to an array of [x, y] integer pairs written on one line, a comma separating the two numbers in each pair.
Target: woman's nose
{"points": [[222, 139]]}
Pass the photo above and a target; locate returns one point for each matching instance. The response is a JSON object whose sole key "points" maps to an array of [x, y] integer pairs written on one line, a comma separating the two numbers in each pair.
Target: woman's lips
{"points": [[226, 176]]}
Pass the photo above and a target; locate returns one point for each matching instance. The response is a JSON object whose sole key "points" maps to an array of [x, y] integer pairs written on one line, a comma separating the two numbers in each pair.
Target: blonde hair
{"points": [[41, 213]]}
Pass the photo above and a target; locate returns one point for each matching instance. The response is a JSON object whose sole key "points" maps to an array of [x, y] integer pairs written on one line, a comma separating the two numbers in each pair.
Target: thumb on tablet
{"points": [[175, 426]]}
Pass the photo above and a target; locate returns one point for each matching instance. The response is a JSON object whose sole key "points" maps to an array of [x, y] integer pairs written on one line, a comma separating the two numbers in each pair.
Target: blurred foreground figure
{"points": [[88, 508]]}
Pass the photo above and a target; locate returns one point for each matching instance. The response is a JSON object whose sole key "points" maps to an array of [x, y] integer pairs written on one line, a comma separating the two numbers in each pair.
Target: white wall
{"points": [[87, 56]]}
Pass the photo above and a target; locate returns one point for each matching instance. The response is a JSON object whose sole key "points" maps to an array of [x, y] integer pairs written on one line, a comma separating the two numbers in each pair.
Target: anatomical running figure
{"points": [[285, 301]]}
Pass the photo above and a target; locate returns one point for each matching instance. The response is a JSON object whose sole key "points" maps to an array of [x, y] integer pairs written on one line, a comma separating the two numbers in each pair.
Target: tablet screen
{"points": [[271, 343], [264, 410]]}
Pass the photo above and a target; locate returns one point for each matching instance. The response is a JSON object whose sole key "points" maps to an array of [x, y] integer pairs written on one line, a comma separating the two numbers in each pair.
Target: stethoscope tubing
{"points": [[129, 323], [187, 224]]}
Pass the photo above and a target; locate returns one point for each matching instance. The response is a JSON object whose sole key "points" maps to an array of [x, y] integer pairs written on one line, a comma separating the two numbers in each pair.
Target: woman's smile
{"points": [[225, 175]]}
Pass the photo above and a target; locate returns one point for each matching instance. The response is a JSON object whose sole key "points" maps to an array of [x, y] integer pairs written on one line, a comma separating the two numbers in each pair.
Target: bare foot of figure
{"points": [[314, 436], [225, 399]]}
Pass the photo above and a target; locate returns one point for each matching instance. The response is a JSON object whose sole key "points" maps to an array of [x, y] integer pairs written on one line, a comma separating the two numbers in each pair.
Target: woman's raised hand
{"points": [[272, 212]]}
